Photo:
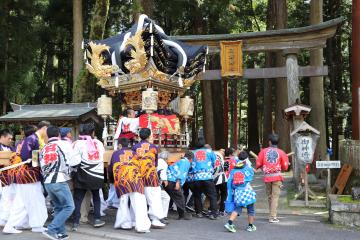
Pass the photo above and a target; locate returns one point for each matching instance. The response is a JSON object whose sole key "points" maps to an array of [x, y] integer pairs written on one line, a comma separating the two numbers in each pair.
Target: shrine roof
{"points": [[51, 112]]}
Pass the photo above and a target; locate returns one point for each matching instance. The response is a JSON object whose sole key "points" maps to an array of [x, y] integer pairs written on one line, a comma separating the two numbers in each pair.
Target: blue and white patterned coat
{"points": [[203, 164], [178, 171], [239, 190]]}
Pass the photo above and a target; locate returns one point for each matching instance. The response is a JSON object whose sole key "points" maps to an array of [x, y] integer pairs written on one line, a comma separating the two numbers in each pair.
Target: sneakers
{"points": [[75, 227], [222, 214], [164, 221], [230, 227], [186, 216], [206, 213], [212, 217], [273, 220], [190, 209], [50, 235], [98, 223], [199, 215], [157, 224], [251, 228], [63, 236]]}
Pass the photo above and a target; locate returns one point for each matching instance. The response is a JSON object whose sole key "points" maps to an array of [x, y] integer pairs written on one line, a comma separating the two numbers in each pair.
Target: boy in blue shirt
{"points": [[176, 176], [240, 193]]}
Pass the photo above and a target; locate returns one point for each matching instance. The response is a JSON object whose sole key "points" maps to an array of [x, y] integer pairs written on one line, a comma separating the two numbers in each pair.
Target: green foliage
{"points": [[347, 199]]}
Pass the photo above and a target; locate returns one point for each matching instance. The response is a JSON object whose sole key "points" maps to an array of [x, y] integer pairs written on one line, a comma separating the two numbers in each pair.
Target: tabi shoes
{"points": [[156, 224]]}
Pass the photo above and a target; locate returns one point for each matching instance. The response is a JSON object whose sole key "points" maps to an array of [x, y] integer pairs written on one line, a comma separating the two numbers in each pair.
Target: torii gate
{"points": [[289, 41]]}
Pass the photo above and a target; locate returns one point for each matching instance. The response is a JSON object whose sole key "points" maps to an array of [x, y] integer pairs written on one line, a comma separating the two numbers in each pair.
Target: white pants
{"points": [[138, 213], [85, 207], [113, 199], [165, 199], [153, 198], [103, 205], [6, 201], [28, 208]]}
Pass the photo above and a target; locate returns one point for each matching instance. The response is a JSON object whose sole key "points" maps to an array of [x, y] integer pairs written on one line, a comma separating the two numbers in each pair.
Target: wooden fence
{"points": [[349, 152]]}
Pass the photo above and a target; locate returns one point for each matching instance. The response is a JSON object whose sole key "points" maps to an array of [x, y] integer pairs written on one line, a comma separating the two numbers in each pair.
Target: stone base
{"points": [[312, 204], [344, 213]]}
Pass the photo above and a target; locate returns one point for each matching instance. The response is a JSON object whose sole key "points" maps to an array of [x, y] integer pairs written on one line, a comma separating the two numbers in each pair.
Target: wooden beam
{"points": [[261, 73], [313, 36]]}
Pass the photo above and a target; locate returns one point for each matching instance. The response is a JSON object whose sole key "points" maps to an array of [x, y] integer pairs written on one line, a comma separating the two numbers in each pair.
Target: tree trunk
{"points": [[253, 133], [355, 70], [270, 59], [226, 112], [142, 7], [85, 85], [208, 115], [148, 7], [334, 61], [235, 112], [77, 38], [217, 90], [268, 106], [317, 115], [281, 125]]}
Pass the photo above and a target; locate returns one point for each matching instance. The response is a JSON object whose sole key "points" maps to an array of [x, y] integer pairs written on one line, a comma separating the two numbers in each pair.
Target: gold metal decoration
{"points": [[138, 54], [132, 98], [153, 73], [231, 58], [97, 66], [188, 82], [164, 99]]}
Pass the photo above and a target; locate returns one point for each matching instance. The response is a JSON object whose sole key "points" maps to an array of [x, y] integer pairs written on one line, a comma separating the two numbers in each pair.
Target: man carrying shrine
{"points": [[147, 154], [124, 172]]}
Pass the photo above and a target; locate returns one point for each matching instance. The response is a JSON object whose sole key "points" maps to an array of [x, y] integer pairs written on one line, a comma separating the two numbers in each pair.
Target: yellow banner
{"points": [[231, 58]]}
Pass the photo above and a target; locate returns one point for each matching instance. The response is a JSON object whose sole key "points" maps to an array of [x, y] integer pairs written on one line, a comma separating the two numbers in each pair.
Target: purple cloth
{"points": [[6, 148], [114, 159], [30, 143], [145, 146]]}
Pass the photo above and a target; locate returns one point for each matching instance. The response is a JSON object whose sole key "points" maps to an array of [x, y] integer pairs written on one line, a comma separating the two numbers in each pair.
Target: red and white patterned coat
{"points": [[272, 160]]}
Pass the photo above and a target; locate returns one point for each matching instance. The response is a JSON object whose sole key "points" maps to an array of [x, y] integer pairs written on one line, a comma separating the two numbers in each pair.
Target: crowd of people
{"points": [[47, 164]]}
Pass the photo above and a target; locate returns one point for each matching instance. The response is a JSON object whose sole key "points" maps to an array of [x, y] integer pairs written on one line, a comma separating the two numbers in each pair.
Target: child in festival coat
{"points": [[241, 194]]}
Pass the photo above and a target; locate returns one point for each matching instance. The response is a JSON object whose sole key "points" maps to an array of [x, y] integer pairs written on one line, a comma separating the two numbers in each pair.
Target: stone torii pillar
{"points": [[292, 75], [293, 92]]}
